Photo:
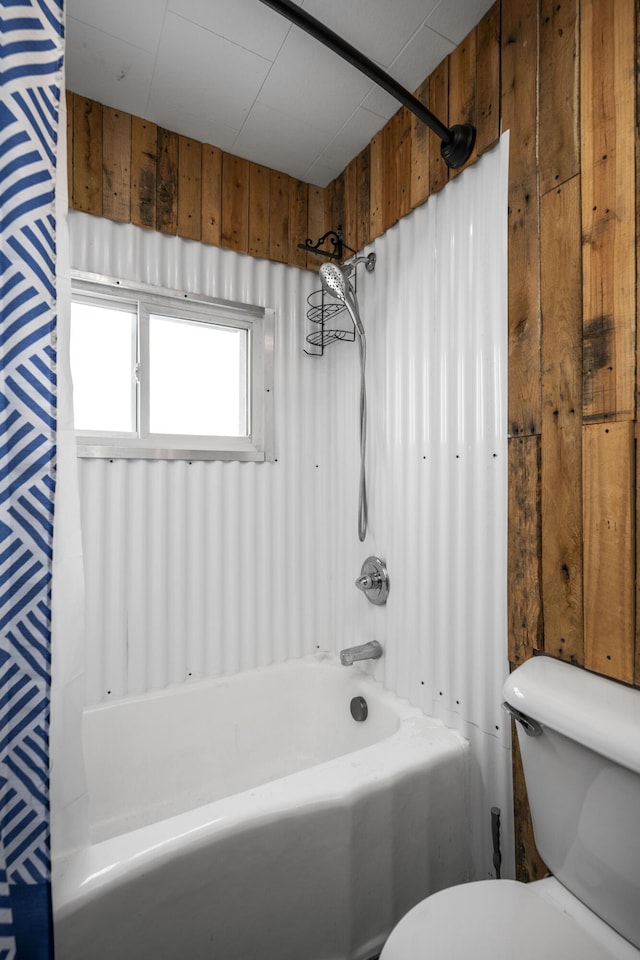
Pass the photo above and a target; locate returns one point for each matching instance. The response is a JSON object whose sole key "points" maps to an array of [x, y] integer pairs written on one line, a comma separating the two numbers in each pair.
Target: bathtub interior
{"points": [[312, 837], [158, 755]]}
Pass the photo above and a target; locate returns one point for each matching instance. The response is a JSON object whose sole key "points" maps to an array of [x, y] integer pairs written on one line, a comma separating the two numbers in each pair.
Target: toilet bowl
{"points": [[579, 737], [503, 920]]}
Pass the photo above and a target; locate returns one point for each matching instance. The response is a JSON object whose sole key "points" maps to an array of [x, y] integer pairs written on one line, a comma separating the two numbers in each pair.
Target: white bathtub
{"points": [[251, 818]]}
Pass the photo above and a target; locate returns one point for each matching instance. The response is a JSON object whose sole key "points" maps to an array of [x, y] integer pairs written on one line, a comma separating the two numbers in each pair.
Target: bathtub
{"points": [[252, 818]]}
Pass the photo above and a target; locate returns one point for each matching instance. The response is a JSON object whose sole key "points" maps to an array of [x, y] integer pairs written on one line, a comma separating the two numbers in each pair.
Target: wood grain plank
{"points": [[144, 163], [529, 864], [519, 39], [334, 204], [609, 548], [189, 188], [402, 164], [559, 131], [298, 219], [316, 224], [211, 231], [439, 105], [259, 210], [561, 447], [488, 80], [116, 165], [167, 182], [279, 219], [376, 185], [69, 97], [462, 89], [524, 549], [607, 107], [519, 101], [419, 189], [524, 401], [390, 146], [350, 225], [235, 203], [363, 167], [87, 156]]}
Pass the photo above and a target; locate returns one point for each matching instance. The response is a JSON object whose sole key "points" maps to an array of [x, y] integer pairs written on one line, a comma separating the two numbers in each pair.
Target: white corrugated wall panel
{"points": [[204, 568], [210, 568], [435, 316]]}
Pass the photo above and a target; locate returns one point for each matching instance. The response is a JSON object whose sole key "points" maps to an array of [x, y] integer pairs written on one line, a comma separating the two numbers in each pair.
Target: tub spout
{"points": [[366, 651]]}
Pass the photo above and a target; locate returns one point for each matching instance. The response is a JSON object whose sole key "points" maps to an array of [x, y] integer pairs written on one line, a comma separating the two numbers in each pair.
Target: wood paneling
{"points": [[609, 550], [525, 602], [189, 188], [519, 109], [462, 88], [488, 80], [419, 191], [298, 218], [559, 133], [235, 203], [561, 77], [608, 207], [561, 442], [144, 165], [260, 211], [167, 182], [439, 105], [279, 217], [116, 165], [211, 195], [87, 156]]}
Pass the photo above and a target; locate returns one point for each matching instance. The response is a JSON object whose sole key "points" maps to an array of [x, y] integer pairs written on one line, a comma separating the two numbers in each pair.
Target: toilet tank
{"points": [[583, 781]]}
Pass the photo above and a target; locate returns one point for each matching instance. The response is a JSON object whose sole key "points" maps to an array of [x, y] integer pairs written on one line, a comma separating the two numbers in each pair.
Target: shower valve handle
{"points": [[374, 580], [368, 582]]}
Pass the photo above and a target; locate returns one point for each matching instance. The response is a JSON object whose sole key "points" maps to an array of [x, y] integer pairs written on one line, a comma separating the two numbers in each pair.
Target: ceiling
{"points": [[236, 74]]}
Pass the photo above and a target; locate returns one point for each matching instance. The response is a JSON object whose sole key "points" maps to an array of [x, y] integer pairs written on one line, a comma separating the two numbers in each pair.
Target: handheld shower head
{"points": [[333, 281], [337, 285]]}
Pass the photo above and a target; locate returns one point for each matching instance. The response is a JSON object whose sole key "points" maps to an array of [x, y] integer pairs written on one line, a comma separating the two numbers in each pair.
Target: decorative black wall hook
{"points": [[335, 238]]}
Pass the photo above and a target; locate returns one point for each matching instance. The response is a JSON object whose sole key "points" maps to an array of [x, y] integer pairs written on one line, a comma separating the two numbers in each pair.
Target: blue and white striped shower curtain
{"points": [[31, 54]]}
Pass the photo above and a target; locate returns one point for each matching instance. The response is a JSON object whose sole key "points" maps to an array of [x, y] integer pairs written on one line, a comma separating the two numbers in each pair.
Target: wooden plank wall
{"points": [[561, 76]]}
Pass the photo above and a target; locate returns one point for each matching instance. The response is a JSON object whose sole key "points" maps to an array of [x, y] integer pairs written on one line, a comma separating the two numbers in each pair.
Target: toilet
{"points": [[579, 737]]}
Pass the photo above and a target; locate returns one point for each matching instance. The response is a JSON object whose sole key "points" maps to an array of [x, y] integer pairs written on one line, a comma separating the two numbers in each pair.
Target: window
{"points": [[167, 375]]}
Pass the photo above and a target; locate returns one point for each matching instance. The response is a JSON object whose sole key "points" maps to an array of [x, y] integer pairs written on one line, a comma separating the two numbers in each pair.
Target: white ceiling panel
{"points": [[139, 22], [377, 28], [237, 74], [247, 23], [455, 20], [194, 65], [107, 69], [281, 141], [310, 83], [360, 128]]}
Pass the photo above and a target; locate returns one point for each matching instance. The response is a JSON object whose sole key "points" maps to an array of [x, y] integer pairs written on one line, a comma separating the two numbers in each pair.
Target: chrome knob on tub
{"points": [[374, 580]]}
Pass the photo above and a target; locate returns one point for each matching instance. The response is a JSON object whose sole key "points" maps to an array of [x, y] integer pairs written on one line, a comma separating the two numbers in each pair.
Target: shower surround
{"points": [[206, 569]]}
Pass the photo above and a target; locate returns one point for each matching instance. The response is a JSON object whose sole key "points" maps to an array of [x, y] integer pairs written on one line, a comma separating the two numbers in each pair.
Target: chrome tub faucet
{"points": [[366, 651]]}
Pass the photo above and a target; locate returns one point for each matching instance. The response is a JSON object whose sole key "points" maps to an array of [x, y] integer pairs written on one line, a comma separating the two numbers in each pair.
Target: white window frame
{"points": [[148, 299]]}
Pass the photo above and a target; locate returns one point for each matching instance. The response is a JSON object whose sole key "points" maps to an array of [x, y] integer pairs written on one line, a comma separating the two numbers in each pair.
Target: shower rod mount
{"points": [[457, 141]]}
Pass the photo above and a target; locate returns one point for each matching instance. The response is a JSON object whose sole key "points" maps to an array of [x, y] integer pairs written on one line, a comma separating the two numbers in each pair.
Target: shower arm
{"points": [[457, 141]]}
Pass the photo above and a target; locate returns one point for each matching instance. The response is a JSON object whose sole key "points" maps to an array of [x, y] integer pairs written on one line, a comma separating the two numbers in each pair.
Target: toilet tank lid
{"points": [[599, 713]]}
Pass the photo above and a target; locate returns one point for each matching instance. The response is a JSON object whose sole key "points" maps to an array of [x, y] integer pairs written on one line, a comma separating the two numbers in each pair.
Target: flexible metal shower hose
{"points": [[362, 500]]}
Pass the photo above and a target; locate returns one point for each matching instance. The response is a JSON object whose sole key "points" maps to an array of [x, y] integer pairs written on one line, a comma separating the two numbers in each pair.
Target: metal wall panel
{"points": [[206, 568], [209, 568]]}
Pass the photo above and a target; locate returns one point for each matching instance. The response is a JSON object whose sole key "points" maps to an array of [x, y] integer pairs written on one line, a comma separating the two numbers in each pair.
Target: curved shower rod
{"points": [[457, 141]]}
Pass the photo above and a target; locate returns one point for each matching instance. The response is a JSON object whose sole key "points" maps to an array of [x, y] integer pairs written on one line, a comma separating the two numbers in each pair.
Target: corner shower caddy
{"points": [[324, 310]]}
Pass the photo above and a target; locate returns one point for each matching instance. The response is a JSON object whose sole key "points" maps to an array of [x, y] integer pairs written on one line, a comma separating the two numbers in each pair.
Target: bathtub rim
{"points": [[419, 741]]}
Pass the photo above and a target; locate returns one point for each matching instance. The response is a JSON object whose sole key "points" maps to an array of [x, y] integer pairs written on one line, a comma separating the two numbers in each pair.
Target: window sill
{"points": [[137, 450]]}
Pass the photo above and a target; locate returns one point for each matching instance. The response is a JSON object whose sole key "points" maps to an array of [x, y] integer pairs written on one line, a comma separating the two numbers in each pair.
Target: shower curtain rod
{"points": [[457, 141]]}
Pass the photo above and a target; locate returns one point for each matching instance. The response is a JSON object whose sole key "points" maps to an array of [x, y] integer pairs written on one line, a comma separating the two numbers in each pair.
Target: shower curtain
{"points": [[31, 77]]}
